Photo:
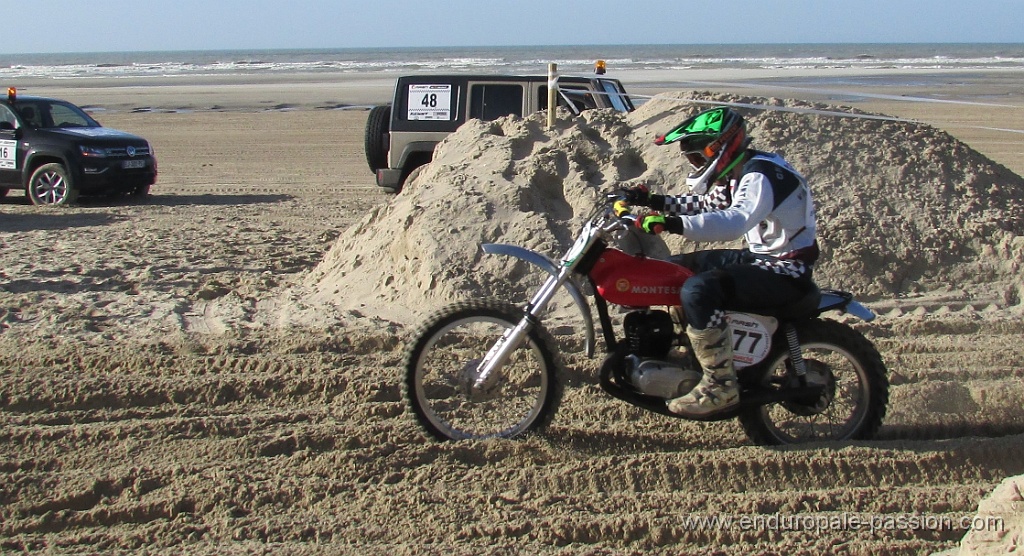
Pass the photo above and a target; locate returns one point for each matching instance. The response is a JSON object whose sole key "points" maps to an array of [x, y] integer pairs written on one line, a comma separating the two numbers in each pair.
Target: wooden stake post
{"points": [[552, 93]]}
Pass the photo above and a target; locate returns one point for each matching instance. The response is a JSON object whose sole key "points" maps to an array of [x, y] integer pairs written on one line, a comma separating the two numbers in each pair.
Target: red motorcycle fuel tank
{"points": [[638, 281]]}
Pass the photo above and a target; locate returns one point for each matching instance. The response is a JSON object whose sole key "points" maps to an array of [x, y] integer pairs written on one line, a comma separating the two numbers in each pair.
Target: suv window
{"points": [[489, 102], [31, 115], [45, 114], [579, 96], [63, 115], [7, 116], [615, 96]]}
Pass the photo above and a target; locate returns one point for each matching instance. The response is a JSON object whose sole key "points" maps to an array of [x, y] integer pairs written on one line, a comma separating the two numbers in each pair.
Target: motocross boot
{"points": [[718, 390]]}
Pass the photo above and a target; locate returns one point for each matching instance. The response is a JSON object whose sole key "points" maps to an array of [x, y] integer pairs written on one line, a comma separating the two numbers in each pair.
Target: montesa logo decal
{"points": [[622, 285], [655, 289]]}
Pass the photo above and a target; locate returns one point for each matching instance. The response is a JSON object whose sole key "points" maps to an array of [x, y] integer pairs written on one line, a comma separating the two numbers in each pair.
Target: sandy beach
{"points": [[217, 370]]}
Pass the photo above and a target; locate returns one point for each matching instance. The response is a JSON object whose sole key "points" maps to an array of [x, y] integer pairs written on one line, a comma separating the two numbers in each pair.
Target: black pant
{"points": [[727, 280]]}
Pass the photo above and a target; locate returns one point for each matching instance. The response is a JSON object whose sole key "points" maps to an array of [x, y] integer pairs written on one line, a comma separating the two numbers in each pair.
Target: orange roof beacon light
{"points": [[600, 67], [12, 94]]}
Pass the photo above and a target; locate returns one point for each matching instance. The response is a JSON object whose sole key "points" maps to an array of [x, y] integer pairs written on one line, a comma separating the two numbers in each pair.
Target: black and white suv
{"points": [[401, 137], [54, 151]]}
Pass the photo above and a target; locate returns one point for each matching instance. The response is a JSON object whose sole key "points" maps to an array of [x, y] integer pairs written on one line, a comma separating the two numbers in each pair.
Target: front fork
{"points": [[512, 338]]}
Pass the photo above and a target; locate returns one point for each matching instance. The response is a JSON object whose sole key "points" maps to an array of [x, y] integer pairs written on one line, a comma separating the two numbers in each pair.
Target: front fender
{"points": [[551, 268], [35, 158]]}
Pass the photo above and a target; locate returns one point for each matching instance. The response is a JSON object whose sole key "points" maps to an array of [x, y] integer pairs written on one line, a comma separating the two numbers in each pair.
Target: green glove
{"points": [[652, 223]]}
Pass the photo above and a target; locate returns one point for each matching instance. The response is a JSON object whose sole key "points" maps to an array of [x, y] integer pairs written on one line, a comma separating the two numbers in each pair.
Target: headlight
{"points": [[93, 152]]}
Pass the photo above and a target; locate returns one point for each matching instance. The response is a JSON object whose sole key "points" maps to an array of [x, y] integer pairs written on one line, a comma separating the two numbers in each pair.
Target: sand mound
{"points": [[998, 527], [904, 209]]}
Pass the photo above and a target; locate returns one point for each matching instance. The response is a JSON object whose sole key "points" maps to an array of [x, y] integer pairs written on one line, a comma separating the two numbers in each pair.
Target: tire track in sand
{"points": [[310, 443]]}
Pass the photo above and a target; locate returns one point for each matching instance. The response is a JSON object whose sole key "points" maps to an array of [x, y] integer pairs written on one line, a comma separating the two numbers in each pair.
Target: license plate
{"points": [[133, 164]]}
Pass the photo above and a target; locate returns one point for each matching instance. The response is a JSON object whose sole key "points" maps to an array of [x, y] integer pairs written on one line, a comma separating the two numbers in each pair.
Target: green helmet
{"points": [[714, 141]]}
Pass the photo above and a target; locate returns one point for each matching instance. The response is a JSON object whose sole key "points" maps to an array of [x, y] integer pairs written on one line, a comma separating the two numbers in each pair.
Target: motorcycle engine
{"points": [[650, 335], [663, 379]]}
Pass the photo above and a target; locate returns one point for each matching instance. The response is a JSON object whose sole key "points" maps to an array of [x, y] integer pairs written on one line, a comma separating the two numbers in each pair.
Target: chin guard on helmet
{"points": [[700, 180]]}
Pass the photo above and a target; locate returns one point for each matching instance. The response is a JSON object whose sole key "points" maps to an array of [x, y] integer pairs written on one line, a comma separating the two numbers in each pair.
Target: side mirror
{"points": [[6, 126]]}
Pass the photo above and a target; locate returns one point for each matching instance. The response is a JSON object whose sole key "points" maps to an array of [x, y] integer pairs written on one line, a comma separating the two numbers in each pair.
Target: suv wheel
{"points": [[51, 185], [376, 146]]}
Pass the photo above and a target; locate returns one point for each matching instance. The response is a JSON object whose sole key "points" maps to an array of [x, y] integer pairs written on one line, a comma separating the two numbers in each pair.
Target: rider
{"points": [[735, 191]]}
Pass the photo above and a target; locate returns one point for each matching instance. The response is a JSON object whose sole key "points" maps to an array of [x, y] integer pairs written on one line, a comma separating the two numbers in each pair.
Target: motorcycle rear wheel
{"points": [[441, 362], [856, 396]]}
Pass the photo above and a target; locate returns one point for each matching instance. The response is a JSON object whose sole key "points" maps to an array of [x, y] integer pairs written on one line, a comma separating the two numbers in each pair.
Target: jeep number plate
{"points": [[133, 164], [430, 102]]}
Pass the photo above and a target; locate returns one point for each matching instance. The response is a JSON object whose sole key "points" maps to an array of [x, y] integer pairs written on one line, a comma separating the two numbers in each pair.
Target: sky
{"points": [[107, 25]]}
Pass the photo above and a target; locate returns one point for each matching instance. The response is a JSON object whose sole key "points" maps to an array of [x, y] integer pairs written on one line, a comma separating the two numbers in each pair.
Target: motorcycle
{"points": [[484, 368]]}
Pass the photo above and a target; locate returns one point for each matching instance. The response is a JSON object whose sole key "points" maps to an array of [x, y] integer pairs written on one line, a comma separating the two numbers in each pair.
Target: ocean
{"points": [[509, 59]]}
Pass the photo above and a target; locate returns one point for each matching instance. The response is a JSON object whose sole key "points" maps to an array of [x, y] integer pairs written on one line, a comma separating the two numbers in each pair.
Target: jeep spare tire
{"points": [[376, 144]]}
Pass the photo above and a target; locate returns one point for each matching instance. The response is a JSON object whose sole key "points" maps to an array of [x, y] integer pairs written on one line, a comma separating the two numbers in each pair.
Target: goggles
{"points": [[697, 160]]}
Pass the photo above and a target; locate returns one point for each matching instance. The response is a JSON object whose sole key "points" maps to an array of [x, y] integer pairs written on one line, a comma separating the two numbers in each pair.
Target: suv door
{"points": [[10, 176]]}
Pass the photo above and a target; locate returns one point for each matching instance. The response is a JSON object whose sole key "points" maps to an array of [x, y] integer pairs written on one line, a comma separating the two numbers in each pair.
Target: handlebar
{"points": [[614, 197], [625, 218], [628, 218]]}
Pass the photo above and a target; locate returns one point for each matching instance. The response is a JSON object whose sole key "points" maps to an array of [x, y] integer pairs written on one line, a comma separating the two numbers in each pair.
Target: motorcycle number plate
{"points": [[751, 338]]}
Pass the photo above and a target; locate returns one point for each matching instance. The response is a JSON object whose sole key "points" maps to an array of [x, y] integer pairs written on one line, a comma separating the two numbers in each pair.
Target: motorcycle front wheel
{"points": [[855, 396], [442, 363]]}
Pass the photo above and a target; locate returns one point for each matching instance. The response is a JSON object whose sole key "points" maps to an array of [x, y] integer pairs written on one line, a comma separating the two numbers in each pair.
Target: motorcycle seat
{"points": [[805, 307]]}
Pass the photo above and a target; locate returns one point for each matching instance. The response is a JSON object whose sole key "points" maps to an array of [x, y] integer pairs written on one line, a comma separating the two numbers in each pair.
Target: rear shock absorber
{"points": [[796, 356]]}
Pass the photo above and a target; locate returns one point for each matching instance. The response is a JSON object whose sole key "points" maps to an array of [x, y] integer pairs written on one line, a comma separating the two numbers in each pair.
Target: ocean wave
{"points": [[511, 60]]}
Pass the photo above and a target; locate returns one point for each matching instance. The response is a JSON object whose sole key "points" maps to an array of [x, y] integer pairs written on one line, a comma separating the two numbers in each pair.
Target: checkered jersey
{"points": [[786, 267], [689, 205]]}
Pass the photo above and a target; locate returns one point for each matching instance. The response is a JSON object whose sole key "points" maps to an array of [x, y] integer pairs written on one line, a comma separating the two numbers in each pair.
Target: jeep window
{"points": [[579, 97], [617, 96], [489, 102]]}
